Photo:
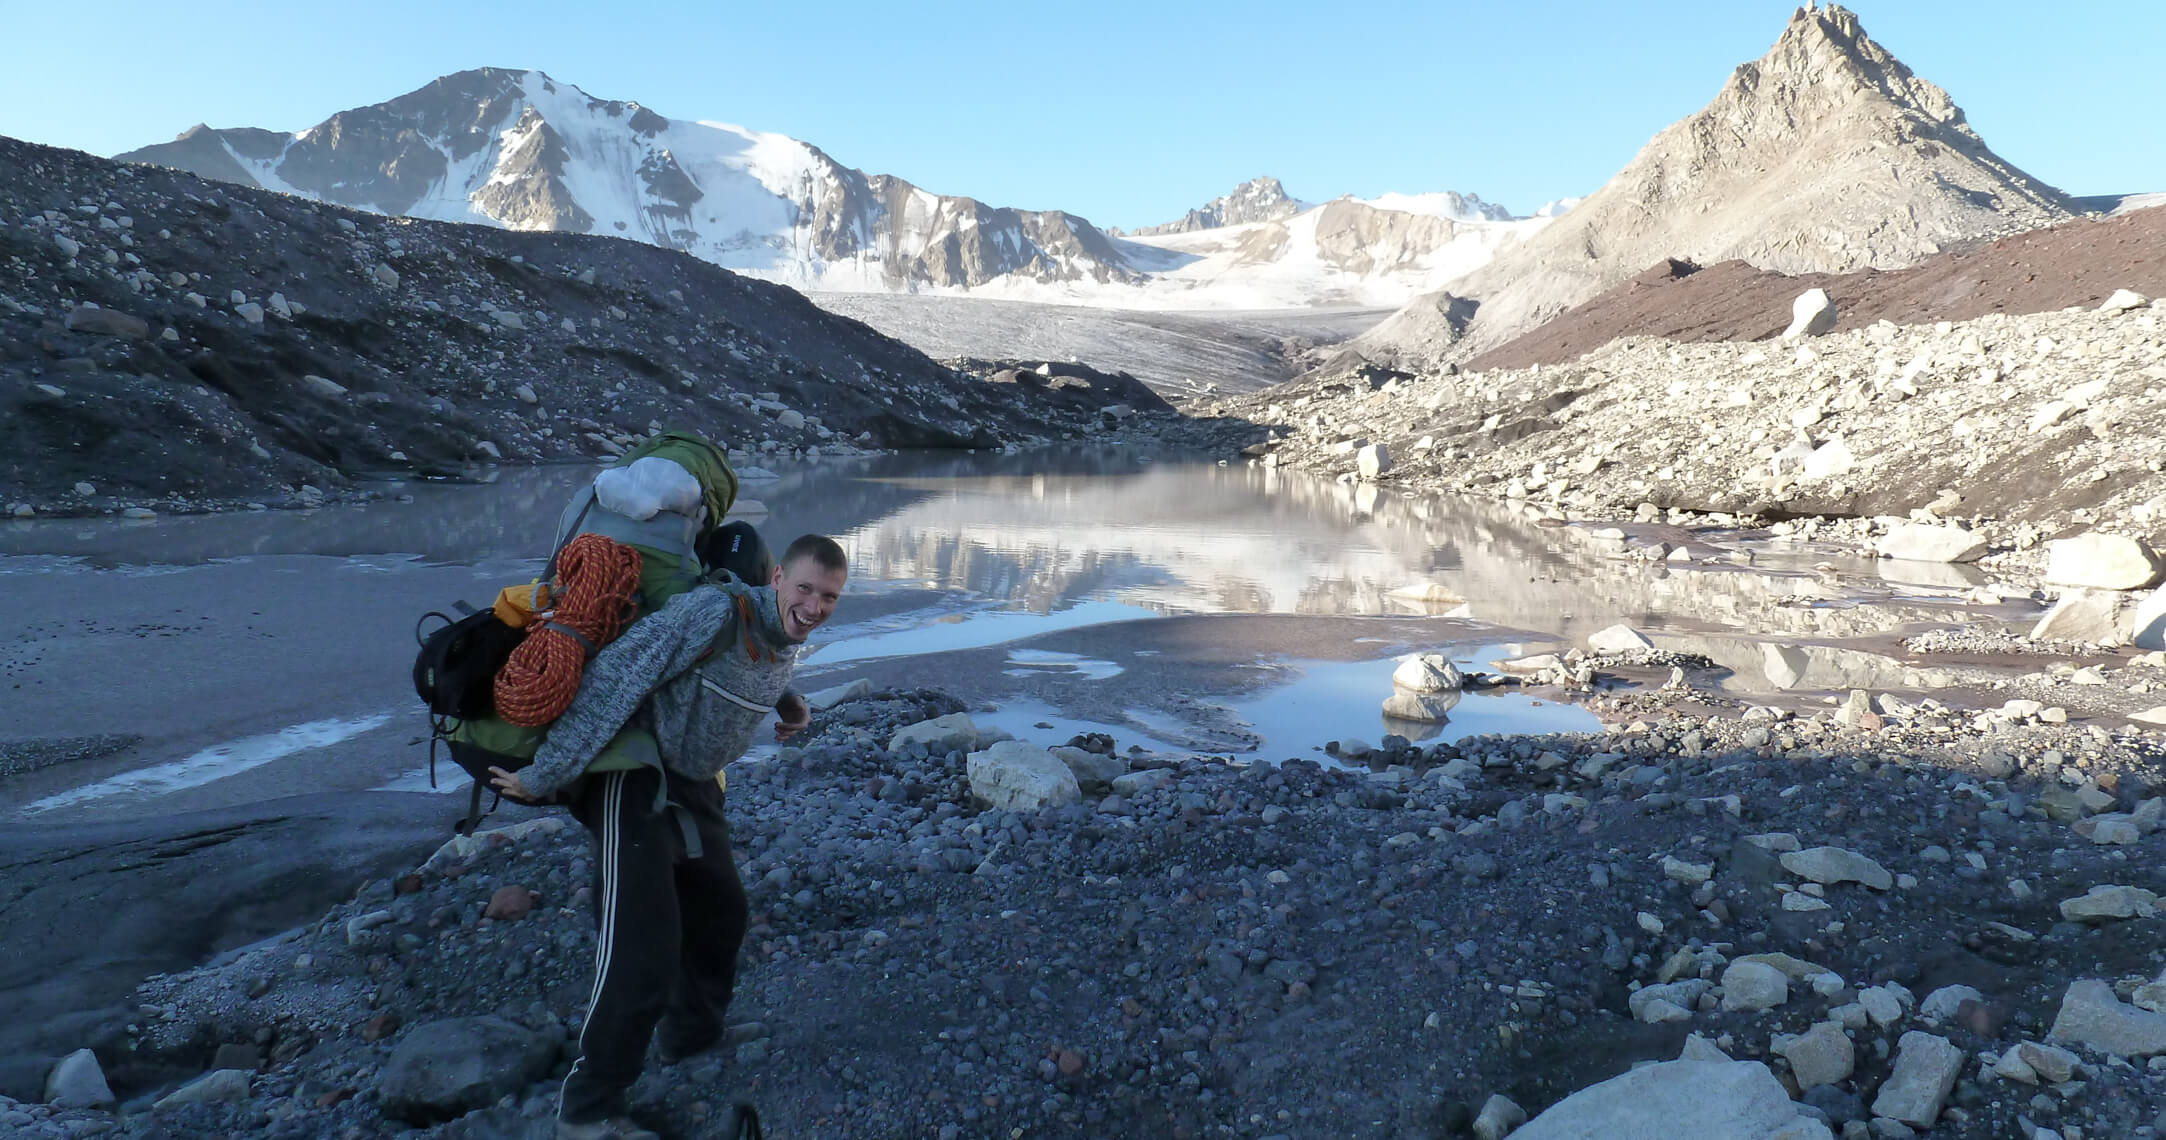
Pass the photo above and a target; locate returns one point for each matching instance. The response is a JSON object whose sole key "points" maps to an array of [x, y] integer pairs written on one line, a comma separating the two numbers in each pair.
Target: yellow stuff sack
{"points": [[516, 606]]}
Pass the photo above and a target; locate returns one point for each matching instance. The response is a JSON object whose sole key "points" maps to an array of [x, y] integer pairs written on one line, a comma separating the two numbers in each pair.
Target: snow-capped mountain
{"points": [[520, 150], [1256, 200]]}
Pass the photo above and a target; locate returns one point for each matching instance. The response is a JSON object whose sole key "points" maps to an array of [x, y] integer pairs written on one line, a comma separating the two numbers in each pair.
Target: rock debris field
{"points": [[1855, 923]]}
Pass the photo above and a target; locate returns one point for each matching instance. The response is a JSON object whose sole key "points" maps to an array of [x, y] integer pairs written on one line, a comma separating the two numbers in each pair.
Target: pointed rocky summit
{"points": [[1825, 155], [1256, 200]]}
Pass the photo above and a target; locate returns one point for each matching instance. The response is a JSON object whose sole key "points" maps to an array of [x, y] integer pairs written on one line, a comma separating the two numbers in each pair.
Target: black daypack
{"points": [[455, 671]]}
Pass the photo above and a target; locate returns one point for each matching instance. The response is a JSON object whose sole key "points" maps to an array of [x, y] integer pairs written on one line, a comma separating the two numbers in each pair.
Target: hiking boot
{"points": [[614, 1128]]}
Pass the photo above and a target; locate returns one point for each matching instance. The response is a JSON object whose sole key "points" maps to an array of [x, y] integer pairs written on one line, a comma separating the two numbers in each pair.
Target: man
{"points": [[704, 672]]}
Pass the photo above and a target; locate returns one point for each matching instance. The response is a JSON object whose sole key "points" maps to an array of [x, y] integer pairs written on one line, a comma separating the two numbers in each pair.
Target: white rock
{"points": [[1831, 865], [77, 1081], [841, 694], [1753, 986], [276, 302], [2146, 625], [1676, 1100], [1373, 460], [1690, 874], [940, 736], [1822, 1055], [1618, 639], [323, 386], [2122, 301], [2093, 1017], [385, 276], [1427, 673], [1681, 994], [1015, 775], [1829, 460], [216, 1085], [1924, 542], [1945, 1002], [250, 312], [2083, 615], [2102, 561], [1498, 1117], [1925, 1070], [790, 419], [2104, 902], [2030, 1062], [86, 490], [1811, 314], [1881, 1005], [68, 248], [1434, 592]]}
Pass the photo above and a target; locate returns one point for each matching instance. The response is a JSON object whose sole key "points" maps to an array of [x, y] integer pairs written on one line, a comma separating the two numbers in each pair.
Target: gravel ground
{"points": [[1290, 950]]}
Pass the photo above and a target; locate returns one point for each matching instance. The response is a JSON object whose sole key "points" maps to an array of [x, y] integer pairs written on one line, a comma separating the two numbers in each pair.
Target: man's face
{"points": [[807, 592]]}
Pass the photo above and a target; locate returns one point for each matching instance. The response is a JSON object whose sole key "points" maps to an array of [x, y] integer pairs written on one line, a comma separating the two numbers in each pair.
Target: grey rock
{"points": [[77, 1081], [385, 276], [2102, 561], [1925, 542], [1618, 639], [1832, 865], [1498, 1117], [1427, 673], [323, 386], [2105, 902], [444, 1069], [841, 694], [951, 733], [2092, 1016], [106, 322], [1015, 775], [790, 419], [1753, 986], [1945, 1002], [1925, 1070], [1705, 1100], [1093, 771], [216, 1085], [250, 312], [1822, 1055], [2083, 615], [67, 246]]}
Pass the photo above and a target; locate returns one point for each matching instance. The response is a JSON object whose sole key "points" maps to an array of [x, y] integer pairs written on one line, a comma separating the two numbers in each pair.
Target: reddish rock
{"points": [[334, 1097], [509, 904], [379, 1027], [1070, 1063], [406, 885]]}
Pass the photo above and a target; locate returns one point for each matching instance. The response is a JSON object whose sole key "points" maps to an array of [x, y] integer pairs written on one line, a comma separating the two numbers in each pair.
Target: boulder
{"points": [[789, 419], [106, 322], [1704, 1100], [1753, 986], [250, 312], [77, 1081], [2083, 615], [2102, 562], [1427, 673], [1015, 775], [2029, 1063], [1946, 1002], [1094, 771], [2104, 903], [1925, 1070], [445, 1069], [1925, 542], [2146, 625], [1831, 865], [828, 698], [2122, 301], [1681, 995], [67, 246], [1812, 314], [216, 1085], [385, 276], [323, 386], [1829, 460], [2093, 1017], [941, 735], [1822, 1055], [1618, 639], [1373, 460]]}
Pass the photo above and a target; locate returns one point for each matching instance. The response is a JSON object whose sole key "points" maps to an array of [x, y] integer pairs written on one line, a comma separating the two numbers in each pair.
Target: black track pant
{"points": [[668, 930]]}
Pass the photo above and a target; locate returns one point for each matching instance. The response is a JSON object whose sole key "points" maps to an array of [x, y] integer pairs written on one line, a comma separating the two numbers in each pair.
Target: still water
{"points": [[1179, 605]]}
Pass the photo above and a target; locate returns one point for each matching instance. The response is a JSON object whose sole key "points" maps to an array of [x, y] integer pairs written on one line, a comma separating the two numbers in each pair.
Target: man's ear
{"points": [[775, 579]]}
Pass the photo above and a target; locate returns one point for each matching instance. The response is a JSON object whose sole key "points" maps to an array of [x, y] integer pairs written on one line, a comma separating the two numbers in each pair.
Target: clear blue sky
{"points": [[1124, 112]]}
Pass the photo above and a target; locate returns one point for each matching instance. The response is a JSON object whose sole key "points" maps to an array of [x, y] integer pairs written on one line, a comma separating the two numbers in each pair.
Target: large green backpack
{"points": [[668, 547]]}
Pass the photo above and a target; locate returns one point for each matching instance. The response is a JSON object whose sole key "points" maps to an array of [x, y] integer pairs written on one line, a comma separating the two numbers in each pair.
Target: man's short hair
{"points": [[821, 549]]}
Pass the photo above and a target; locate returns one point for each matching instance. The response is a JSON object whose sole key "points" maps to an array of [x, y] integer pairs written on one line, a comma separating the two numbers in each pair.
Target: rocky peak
{"points": [[1826, 155], [1256, 200]]}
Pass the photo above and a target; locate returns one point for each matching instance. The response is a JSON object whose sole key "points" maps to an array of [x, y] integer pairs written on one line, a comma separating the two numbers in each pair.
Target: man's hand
{"points": [[795, 716], [507, 785]]}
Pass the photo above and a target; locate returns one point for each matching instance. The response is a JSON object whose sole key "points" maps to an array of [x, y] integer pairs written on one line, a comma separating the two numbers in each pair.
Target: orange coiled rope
{"points": [[597, 584]]}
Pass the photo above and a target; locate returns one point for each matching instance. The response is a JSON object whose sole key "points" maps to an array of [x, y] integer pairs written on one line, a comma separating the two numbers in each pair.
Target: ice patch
{"points": [[1045, 662], [214, 763], [979, 630]]}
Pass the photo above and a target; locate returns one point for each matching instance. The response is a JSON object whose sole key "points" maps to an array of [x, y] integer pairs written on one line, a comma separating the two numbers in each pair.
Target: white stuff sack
{"points": [[648, 487]]}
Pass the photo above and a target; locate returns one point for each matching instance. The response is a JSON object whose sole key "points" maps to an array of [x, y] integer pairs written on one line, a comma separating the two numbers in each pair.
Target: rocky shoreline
{"points": [[1179, 946]]}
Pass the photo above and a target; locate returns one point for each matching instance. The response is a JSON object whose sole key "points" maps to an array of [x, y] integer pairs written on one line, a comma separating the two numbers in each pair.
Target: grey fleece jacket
{"points": [[707, 694]]}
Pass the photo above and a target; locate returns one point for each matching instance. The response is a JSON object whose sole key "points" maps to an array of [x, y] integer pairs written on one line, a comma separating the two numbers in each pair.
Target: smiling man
{"points": [[704, 673]]}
